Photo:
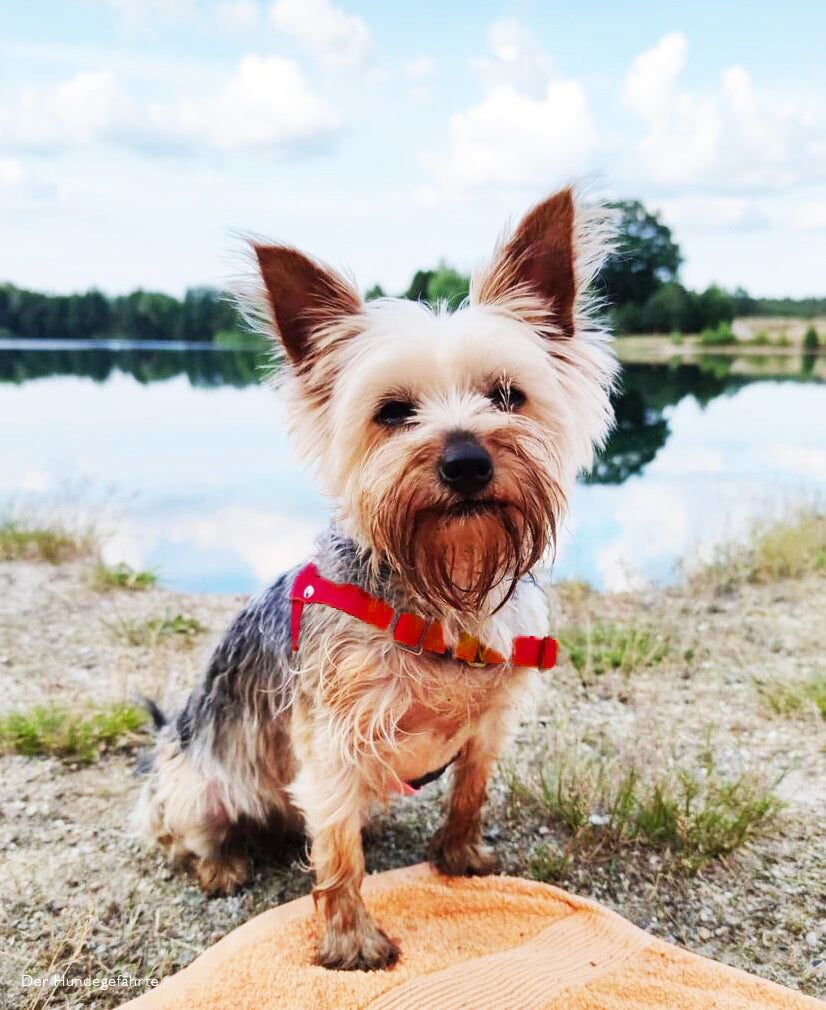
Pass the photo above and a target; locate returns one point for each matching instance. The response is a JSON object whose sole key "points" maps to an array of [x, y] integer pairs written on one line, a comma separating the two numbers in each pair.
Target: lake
{"points": [[181, 454]]}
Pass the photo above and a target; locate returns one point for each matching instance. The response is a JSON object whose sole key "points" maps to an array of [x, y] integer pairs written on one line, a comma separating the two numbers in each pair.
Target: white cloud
{"points": [[12, 173], [516, 59], [141, 12], [419, 67], [649, 83], [697, 210], [514, 139], [328, 33], [267, 541], [727, 135], [808, 461], [35, 481], [239, 15], [266, 103], [683, 129], [809, 216], [522, 133], [87, 107]]}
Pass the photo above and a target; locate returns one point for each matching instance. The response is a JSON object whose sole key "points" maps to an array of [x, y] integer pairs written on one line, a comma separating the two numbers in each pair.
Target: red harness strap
{"points": [[409, 631]]}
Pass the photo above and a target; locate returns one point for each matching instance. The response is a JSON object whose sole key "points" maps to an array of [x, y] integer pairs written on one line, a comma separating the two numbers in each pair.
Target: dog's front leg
{"points": [[457, 848], [351, 939], [334, 810]]}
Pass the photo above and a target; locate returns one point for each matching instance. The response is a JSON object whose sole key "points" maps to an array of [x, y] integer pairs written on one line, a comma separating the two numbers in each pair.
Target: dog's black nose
{"points": [[465, 466]]}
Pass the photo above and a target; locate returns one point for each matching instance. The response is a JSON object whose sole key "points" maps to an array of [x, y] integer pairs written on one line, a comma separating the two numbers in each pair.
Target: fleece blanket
{"points": [[491, 943]]}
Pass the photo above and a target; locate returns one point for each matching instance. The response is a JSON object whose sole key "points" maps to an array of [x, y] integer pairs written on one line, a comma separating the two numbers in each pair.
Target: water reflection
{"points": [[217, 501], [203, 367]]}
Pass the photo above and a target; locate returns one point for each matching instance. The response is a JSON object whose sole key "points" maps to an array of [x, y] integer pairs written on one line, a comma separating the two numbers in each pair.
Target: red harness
{"points": [[412, 633]]}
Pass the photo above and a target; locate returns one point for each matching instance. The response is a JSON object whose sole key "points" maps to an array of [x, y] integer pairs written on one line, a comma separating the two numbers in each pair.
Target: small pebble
{"points": [[811, 939]]}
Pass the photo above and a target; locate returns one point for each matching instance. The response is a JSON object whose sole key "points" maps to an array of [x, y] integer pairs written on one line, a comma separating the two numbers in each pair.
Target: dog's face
{"points": [[449, 441]]}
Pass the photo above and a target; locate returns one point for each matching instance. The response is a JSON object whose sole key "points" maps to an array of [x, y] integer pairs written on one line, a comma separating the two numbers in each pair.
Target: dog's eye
{"points": [[505, 396], [393, 413]]}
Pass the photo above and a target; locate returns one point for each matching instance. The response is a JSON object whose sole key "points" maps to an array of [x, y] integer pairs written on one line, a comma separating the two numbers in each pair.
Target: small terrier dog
{"points": [[449, 443]]}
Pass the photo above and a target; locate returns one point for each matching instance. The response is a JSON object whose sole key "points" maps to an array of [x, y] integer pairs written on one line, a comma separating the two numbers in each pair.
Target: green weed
{"points": [[689, 816], [718, 336], [599, 648], [77, 735], [121, 576], [149, 632]]}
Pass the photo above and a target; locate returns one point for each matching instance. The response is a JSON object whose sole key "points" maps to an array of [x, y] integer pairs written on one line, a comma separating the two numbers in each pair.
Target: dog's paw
{"points": [[470, 860], [368, 950], [222, 876]]}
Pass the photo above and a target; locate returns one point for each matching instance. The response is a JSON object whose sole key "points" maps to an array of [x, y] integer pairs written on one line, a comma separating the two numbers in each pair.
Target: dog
{"points": [[449, 443]]}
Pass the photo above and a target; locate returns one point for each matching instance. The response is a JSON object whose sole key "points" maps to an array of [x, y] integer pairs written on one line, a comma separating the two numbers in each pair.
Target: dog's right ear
{"points": [[302, 296]]}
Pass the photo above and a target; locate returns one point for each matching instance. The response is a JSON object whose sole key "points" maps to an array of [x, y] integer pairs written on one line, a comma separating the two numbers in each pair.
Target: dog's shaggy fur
{"points": [[449, 443]]}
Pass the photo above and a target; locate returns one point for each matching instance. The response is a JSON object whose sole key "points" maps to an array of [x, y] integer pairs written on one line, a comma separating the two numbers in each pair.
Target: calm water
{"points": [[184, 454]]}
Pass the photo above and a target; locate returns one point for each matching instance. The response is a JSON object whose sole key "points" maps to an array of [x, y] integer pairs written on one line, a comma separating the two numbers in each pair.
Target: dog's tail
{"points": [[159, 720], [145, 763]]}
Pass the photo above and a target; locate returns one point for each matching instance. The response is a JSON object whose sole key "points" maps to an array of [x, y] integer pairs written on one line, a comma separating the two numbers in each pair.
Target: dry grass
{"points": [[794, 697], [29, 540], [787, 548]]}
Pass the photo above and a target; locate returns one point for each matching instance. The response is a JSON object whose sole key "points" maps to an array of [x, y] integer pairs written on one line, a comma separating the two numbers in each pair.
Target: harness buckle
{"points": [[416, 649]]}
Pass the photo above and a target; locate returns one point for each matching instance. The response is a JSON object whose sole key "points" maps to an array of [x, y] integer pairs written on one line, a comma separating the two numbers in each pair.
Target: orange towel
{"points": [[492, 943]]}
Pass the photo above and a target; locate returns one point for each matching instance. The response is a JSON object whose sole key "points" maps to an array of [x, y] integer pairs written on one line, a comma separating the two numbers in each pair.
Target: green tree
{"points": [[417, 292], [670, 308], [377, 291], [148, 315], [644, 258], [447, 285], [716, 306]]}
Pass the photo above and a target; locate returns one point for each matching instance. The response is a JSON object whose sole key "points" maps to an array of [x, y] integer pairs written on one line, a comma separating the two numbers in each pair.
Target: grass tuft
{"points": [[121, 576], [718, 336], [789, 548], [148, 633], [27, 540], [76, 735], [784, 697], [688, 816], [600, 648]]}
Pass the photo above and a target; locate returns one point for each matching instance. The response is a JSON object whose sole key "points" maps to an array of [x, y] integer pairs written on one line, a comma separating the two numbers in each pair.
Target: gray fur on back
{"points": [[253, 660]]}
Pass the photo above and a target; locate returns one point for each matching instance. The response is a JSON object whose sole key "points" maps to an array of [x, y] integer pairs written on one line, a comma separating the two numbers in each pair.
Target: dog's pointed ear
{"points": [[302, 296], [538, 257]]}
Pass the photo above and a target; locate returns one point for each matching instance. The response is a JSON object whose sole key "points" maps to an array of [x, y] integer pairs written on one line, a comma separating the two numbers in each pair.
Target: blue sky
{"points": [[137, 137]]}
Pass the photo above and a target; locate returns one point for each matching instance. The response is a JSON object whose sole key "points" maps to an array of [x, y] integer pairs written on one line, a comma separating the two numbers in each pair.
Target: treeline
{"points": [[639, 286], [203, 314]]}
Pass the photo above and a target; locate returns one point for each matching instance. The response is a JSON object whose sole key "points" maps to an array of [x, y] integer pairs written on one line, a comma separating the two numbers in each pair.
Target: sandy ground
{"points": [[77, 893]]}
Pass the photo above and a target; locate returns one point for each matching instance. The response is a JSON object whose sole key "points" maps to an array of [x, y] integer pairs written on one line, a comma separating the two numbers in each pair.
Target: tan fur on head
{"points": [[527, 326]]}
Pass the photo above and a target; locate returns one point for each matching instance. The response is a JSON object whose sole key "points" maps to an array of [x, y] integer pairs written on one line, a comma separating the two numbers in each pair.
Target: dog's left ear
{"points": [[538, 257], [302, 295]]}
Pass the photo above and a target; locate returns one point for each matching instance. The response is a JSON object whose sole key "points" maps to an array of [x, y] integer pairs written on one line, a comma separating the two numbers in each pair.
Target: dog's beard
{"points": [[456, 554]]}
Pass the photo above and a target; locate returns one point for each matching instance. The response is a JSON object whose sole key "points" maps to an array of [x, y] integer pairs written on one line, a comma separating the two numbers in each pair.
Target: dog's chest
{"points": [[439, 712]]}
